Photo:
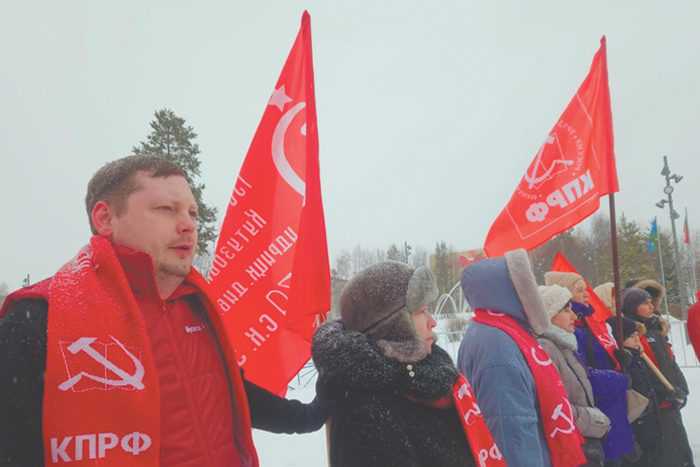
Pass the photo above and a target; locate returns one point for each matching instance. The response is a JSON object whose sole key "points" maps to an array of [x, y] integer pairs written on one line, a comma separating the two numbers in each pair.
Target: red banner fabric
{"points": [[601, 313], [270, 272], [573, 168]]}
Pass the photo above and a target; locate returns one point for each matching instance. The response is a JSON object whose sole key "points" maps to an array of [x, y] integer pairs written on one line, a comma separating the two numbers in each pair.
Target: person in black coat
{"points": [[637, 304], [391, 384], [646, 428]]}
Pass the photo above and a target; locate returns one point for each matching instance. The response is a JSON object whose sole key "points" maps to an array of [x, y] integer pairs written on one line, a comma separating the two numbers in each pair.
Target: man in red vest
{"points": [[121, 357]]}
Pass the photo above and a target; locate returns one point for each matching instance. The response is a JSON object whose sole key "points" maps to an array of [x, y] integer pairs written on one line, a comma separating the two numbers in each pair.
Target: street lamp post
{"points": [[668, 189]]}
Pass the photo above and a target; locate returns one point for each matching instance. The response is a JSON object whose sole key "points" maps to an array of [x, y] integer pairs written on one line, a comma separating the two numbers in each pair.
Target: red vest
{"points": [[195, 414]]}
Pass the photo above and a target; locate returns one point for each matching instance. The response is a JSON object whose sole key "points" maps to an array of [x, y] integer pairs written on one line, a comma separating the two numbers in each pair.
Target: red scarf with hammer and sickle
{"points": [[563, 438], [101, 389], [602, 335], [481, 442]]}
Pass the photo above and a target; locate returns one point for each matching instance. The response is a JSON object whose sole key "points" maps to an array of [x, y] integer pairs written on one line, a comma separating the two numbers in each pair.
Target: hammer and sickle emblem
{"points": [[559, 413], [534, 179], [546, 362], [606, 340], [84, 344], [471, 414]]}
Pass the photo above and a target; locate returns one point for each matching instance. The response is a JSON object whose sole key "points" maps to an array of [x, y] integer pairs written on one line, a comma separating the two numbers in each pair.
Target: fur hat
{"points": [[605, 293], [564, 279], [629, 326], [378, 302], [631, 299], [652, 287], [555, 298]]}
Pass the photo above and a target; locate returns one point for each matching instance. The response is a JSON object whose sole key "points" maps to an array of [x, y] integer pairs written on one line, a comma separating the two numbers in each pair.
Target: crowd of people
{"points": [[538, 381]]}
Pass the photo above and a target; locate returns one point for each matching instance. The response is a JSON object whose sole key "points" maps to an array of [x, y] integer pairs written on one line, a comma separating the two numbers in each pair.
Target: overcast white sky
{"points": [[428, 116]]}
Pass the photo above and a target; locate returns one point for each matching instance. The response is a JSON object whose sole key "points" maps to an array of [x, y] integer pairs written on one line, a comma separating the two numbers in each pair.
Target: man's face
{"points": [[159, 219]]}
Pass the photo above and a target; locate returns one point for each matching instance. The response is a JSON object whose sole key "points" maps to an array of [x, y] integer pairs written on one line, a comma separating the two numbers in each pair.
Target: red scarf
{"points": [[602, 335], [563, 438], [481, 442], [108, 412]]}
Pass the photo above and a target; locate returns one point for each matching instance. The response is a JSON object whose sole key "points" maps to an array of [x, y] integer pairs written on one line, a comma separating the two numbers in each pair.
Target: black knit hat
{"points": [[631, 299], [629, 326]]}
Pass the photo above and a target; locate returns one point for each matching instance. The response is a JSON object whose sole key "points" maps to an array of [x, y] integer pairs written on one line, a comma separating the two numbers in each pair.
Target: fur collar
{"points": [[525, 285], [347, 359], [563, 339]]}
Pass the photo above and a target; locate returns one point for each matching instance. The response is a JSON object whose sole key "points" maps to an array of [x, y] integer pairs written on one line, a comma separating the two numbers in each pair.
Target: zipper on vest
{"points": [[190, 399]]}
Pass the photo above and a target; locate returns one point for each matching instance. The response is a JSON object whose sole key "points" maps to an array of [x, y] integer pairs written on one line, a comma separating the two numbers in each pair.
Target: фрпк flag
{"points": [[573, 168]]}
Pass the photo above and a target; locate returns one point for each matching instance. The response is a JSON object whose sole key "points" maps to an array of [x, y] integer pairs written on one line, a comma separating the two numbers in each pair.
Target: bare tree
{"points": [[360, 258], [343, 265], [420, 257]]}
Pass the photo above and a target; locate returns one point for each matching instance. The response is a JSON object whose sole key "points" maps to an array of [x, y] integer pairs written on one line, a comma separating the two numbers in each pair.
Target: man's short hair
{"points": [[116, 180]]}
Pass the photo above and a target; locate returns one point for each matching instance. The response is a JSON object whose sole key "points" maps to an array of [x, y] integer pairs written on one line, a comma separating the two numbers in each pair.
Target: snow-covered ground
{"points": [[310, 450]]}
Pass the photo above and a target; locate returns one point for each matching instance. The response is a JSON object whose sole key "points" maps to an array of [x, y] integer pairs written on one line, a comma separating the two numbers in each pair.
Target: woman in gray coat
{"points": [[560, 343]]}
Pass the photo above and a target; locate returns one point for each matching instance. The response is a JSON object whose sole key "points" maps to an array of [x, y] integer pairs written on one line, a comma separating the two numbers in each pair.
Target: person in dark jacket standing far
{"points": [[121, 357], [638, 305], [396, 402], [646, 428]]}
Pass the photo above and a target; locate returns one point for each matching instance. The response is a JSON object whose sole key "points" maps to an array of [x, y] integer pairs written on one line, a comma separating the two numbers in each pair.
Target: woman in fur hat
{"points": [[638, 305], [599, 352], [394, 389], [560, 343]]}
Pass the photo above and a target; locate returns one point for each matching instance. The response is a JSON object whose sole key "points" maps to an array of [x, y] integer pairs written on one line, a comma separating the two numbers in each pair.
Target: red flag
{"points": [[270, 271], [573, 168], [601, 313], [685, 229]]}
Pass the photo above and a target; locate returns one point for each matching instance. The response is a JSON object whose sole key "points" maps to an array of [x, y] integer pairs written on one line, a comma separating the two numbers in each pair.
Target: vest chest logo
{"points": [[650, 339], [197, 328], [92, 365], [98, 445]]}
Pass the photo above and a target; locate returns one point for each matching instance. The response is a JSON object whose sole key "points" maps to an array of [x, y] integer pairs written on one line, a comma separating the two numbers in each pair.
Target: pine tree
{"points": [[670, 276], [170, 138], [441, 269], [633, 255], [394, 254]]}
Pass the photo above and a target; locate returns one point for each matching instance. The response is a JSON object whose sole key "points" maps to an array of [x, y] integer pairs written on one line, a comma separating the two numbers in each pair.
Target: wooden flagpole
{"points": [[616, 270]]}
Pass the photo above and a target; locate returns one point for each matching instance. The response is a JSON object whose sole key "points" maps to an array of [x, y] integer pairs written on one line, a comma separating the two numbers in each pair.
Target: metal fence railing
{"points": [[682, 349]]}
